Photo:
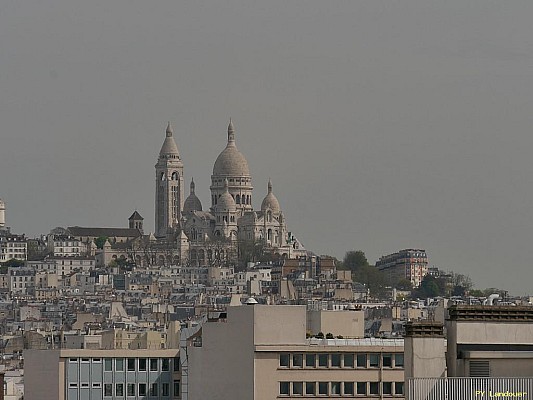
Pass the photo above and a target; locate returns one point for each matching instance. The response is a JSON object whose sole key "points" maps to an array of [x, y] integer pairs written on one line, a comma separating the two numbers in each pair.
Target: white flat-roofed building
{"points": [[261, 352]]}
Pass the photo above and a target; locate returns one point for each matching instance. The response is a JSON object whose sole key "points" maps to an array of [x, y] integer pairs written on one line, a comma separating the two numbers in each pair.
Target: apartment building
{"points": [[410, 264]]}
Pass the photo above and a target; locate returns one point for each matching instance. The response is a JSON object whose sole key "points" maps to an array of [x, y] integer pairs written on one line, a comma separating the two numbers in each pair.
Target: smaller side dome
{"points": [[192, 203], [270, 201], [225, 201]]}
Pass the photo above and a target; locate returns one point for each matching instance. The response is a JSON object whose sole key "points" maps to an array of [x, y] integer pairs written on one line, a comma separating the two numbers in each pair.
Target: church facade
{"points": [[230, 226]]}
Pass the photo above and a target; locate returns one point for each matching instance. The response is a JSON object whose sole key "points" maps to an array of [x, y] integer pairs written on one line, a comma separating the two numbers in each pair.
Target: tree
{"points": [[372, 278], [354, 260], [13, 263], [100, 241], [431, 287]]}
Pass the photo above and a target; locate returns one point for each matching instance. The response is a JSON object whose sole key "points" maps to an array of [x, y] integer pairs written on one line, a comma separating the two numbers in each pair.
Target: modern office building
{"points": [[102, 374]]}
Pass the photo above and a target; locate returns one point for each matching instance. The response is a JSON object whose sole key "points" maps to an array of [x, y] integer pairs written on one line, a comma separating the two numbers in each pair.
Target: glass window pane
{"points": [[298, 360], [142, 364], [348, 388], [154, 389], [374, 387], [387, 387], [374, 360], [284, 360], [361, 360], [348, 360], [335, 388], [119, 364], [310, 387], [119, 389], [108, 389], [108, 364], [176, 388], [398, 388], [398, 360], [284, 388], [336, 360], [130, 388], [298, 388], [387, 360], [323, 360], [361, 387], [131, 364], [165, 389], [142, 389], [165, 364], [310, 360], [322, 387], [176, 364], [153, 364]]}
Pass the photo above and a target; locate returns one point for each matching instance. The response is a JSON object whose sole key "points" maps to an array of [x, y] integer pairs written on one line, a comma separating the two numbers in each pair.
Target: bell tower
{"points": [[169, 195]]}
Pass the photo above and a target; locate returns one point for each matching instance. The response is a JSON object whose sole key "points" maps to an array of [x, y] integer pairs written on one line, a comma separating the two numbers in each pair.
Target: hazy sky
{"points": [[383, 124]]}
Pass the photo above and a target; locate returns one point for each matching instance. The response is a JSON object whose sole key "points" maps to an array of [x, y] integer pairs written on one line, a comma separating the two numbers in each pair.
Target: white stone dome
{"points": [[192, 203], [270, 201], [226, 202], [231, 161]]}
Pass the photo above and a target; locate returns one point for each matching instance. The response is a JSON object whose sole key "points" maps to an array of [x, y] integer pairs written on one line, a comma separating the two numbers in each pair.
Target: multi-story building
{"points": [[66, 246], [13, 247], [410, 264], [21, 280], [261, 352], [86, 374]]}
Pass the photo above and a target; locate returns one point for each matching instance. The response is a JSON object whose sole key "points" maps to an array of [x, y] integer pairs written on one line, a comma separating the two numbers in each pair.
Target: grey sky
{"points": [[383, 124]]}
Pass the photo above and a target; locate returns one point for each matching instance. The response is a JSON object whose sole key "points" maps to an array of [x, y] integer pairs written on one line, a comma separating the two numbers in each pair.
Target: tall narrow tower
{"points": [[2, 214], [169, 196]]}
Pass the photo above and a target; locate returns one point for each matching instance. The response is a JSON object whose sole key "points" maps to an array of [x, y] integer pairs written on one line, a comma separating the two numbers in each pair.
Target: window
{"points": [[97, 385], [108, 389], [323, 360], [310, 388], [176, 388], [398, 360], [130, 389], [108, 364], [119, 389], [374, 387], [387, 387], [176, 364], [72, 385], [284, 388], [85, 385], [374, 360], [119, 364], [165, 364], [310, 360], [298, 388], [73, 360], [131, 364], [154, 390], [387, 360], [323, 388], [142, 364], [335, 388], [398, 388], [284, 360], [165, 389], [85, 360], [97, 360], [348, 388], [142, 389], [153, 364], [336, 360], [298, 360], [361, 387], [348, 361], [361, 360]]}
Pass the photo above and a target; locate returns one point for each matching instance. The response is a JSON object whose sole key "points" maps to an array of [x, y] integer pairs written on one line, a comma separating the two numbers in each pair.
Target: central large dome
{"points": [[231, 161]]}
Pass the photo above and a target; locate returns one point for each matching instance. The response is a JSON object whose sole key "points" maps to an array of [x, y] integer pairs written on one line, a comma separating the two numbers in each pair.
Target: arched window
{"points": [[269, 216], [162, 177], [238, 199], [175, 176], [269, 234]]}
